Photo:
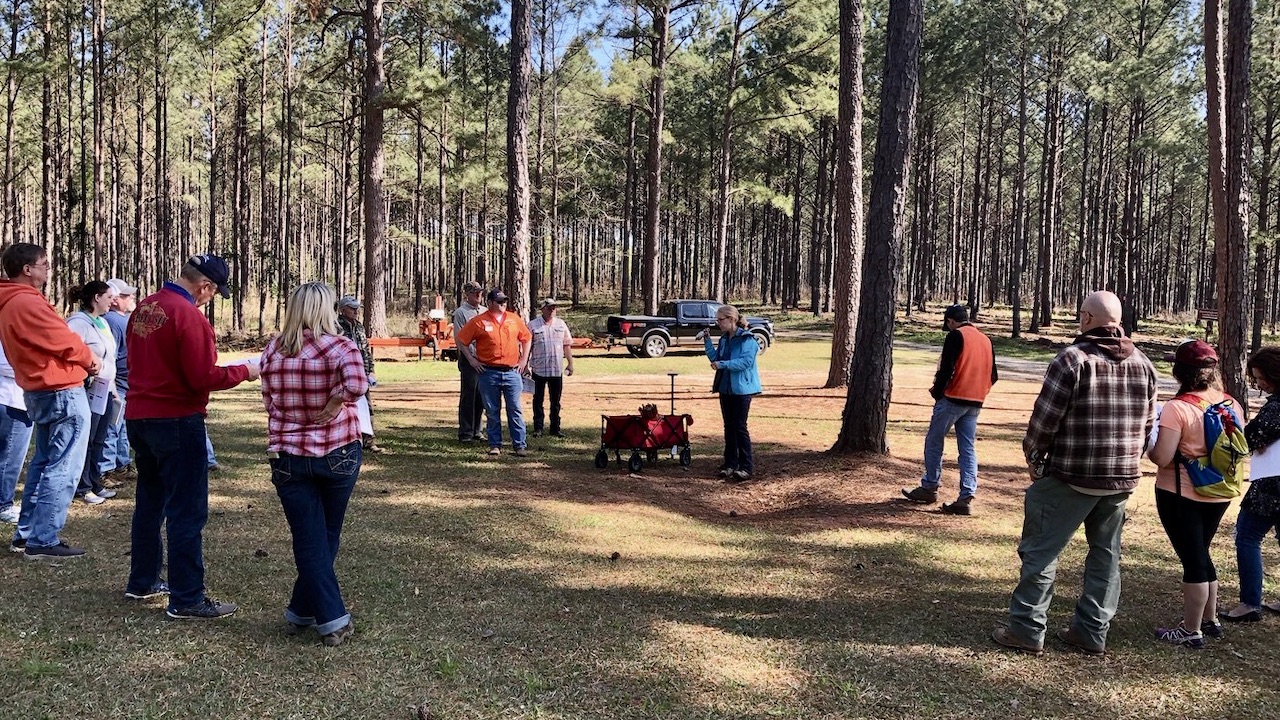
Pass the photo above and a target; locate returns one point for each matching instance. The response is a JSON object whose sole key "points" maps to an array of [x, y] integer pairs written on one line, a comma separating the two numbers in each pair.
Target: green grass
{"points": [[488, 588]]}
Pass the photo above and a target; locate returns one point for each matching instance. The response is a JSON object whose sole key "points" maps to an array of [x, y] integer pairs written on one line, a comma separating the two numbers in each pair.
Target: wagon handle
{"points": [[673, 375]]}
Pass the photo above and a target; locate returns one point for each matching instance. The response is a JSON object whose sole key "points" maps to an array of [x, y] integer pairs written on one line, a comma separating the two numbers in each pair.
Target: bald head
{"points": [[1100, 309]]}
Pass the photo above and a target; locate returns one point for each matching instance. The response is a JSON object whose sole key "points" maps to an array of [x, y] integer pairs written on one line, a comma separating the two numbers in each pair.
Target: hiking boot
{"points": [[921, 495], [61, 551], [495, 451], [521, 452], [17, 545], [159, 589], [293, 629], [1212, 628], [110, 482], [963, 506], [207, 609], [336, 638], [1181, 636], [1006, 638], [1069, 636]]}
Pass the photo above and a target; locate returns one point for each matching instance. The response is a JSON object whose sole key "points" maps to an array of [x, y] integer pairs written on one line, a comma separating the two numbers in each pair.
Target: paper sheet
{"points": [[1265, 462], [99, 393], [362, 412]]}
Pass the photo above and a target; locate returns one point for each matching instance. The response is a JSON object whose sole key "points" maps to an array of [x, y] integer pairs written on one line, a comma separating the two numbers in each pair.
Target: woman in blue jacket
{"points": [[734, 360]]}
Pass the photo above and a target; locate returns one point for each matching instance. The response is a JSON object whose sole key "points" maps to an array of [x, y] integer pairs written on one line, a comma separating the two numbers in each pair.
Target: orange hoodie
{"points": [[45, 354]]}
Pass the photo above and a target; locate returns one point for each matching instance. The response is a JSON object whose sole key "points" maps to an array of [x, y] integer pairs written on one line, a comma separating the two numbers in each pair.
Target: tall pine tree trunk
{"points": [[375, 218], [517, 275]]}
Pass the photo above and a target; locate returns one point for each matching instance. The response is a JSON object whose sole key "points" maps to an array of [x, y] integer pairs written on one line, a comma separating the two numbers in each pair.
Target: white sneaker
{"points": [[11, 515], [93, 499], [106, 493]]}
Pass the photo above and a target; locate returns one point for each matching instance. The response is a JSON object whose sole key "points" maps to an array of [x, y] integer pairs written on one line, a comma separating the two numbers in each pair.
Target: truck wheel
{"points": [[762, 341], [655, 346], [635, 351]]}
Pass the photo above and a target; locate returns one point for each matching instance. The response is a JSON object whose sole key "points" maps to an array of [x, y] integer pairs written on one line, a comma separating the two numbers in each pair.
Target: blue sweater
{"points": [[736, 354]]}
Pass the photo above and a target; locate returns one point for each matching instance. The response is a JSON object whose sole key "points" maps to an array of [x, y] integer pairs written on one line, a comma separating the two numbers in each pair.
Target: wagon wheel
{"points": [[686, 456], [602, 459], [636, 463], [652, 457]]}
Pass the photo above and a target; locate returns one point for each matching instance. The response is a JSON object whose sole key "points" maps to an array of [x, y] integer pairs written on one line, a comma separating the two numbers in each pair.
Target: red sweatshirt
{"points": [[44, 352], [173, 359]]}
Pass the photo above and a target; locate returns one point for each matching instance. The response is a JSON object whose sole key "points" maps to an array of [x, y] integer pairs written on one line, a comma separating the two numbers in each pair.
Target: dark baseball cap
{"points": [[1194, 353], [215, 269], [959, 313], [496, 295]]}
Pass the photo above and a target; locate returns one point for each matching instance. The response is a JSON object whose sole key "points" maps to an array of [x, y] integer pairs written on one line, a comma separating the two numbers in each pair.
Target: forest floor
{"points": [[546, 588]]}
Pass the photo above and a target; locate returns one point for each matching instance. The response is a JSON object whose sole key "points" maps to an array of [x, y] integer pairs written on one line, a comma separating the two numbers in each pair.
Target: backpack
{"points": [[1220, 473]]}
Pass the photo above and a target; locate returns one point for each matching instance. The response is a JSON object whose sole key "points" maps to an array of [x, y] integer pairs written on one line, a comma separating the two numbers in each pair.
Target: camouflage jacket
{"points": [[354, 329]]}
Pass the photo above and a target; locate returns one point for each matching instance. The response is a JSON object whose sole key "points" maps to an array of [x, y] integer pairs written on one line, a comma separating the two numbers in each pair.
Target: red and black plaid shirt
{"points": [[296, 389]]}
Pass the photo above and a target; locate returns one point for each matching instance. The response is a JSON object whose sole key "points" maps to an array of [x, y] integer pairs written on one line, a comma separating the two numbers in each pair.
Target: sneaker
{"points": [[337, 637], [521, 452], [725, 473], [1005, 638], [293, 629], [160, 588], [921, 495], [18, 545], [537, 433], [10, 514], [741, 475], [92, 498], [1181, 636], [558, 434], [106, 493], [963, 506], [1212, 628], [467, 439], [1069, 636], [61, 551], [495, 451], [207, 609]]}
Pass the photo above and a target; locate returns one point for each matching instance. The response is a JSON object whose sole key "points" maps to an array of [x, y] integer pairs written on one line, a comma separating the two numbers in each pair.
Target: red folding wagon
{"points": [[646, 432]]}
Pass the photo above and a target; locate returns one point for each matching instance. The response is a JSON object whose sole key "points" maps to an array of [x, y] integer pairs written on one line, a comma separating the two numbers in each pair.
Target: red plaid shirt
{"points": [[296, 389]]}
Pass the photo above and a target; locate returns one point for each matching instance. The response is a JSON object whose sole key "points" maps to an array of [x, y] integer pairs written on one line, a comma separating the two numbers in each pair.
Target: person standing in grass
{"points": [[500, 358], [350, 326], [15, 438], [312, 377], [1260, 508], [966, 372], [1083, 446], [1190, 520], [118, 463], [470, 404], [552, 348], [50, 364], [173, 365], [736, 381], [94, 298]]}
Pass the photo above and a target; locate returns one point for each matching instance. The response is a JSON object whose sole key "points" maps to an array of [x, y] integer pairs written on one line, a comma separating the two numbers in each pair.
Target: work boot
{"points": [[921, 495]]}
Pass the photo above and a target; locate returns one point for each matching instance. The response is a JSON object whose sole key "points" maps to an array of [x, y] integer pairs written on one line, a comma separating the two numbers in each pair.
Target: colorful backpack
{"points": [[1221, 473]]}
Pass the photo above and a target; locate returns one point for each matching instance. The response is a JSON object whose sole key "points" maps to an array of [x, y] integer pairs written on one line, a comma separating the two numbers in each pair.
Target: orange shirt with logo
{"points": [[497, 343]]}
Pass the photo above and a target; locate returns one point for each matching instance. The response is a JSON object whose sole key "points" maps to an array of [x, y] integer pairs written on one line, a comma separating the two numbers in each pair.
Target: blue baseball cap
{"points": [[215, 269]]}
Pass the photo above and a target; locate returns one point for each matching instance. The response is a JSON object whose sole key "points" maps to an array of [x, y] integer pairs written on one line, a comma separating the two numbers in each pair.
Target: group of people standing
{"points": [[1095, 418]]}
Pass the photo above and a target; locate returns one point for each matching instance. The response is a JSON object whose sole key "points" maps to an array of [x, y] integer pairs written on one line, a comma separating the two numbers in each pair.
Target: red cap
{"points": [[1195, 353]]}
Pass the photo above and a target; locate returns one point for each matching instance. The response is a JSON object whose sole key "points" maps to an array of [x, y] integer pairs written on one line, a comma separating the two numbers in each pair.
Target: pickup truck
{"points": [[676, 324]]}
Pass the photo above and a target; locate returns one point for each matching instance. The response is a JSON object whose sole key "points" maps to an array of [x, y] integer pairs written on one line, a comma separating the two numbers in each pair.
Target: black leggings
{"points": [[1191, 526]]}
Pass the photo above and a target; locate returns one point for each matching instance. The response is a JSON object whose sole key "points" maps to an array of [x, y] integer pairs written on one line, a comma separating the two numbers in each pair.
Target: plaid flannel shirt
{"points": [[1094, 412], [296, 389], [546, 355]]}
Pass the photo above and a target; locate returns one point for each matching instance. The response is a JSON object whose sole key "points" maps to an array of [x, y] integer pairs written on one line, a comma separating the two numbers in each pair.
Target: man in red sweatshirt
{"points": [[50, 364], [172, 369]]}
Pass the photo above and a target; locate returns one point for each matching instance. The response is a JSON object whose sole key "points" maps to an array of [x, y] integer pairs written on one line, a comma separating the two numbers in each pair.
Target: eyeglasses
{"points": [[44, 264]]}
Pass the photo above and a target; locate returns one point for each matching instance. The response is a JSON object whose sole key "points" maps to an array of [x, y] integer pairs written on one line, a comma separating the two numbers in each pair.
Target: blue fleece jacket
{"points": [[736, 354]]}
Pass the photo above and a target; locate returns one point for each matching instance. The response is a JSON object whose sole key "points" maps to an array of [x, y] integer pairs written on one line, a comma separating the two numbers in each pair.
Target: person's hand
{"points": [[715, 364], [255, 370], [95, 366], [523, 368], [331, 409], [569, 370], [702, 334]]}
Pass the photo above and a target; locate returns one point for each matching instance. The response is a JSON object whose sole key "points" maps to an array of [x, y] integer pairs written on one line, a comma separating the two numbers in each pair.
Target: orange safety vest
{"points": [[971, 379]]}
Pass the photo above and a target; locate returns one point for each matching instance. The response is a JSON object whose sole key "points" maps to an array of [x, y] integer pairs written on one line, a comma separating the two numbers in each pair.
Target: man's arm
{"points": [[200, 365], [951, 349], [995, 376], [1051, 405], [568, 348]]}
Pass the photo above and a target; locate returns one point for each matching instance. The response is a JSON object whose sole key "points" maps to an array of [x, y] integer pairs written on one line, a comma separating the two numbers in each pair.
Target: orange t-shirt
{"points": [[497, 343], [1188, 419]]}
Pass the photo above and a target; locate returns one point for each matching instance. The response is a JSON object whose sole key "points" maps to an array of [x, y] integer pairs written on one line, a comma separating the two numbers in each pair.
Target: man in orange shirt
{"points": [[50, 364], [500, 356], [966, 372]]}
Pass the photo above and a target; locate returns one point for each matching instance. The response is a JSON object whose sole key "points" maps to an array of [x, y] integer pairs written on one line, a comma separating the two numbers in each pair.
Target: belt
{"points": [[503, 368]]}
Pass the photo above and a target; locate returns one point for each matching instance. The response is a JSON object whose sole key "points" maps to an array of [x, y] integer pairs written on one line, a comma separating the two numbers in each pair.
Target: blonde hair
{"points": [[312, 306], [731, 312]]}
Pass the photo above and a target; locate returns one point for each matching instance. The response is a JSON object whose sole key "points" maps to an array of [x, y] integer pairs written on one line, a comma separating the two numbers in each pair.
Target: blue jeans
{"points": [[1251, 530], [314, 492], [210, 459], [91, 476], [117, 452], [965, 420], [61, 419], [737, 439], [1052, 513], [497, 386], [15, 438], [172, 489]]}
